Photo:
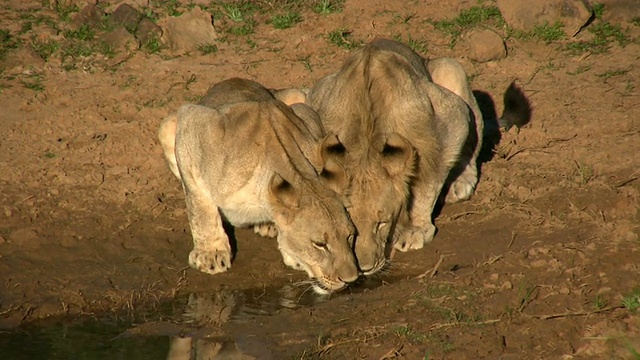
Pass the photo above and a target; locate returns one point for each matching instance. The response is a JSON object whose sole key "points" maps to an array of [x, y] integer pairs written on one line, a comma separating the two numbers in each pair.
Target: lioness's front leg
{"points": [[211, 249], [416, 228]]}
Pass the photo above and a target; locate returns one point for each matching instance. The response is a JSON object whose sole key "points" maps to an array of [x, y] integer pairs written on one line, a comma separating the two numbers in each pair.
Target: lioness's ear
{"points": [[397, 155], [283, 192], [334, 176], [332, 148]]}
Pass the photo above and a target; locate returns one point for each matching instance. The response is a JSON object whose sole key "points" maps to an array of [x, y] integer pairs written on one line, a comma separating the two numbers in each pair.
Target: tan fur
{"points": [[243, 155], [404, 126]]}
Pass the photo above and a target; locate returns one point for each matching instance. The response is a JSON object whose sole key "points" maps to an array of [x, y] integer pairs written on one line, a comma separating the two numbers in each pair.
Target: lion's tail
{"points": [[167, 138], [517, 108]]}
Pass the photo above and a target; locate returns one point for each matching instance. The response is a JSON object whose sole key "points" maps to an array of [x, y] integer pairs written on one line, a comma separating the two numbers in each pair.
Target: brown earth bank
{"points": [[542, 262]]}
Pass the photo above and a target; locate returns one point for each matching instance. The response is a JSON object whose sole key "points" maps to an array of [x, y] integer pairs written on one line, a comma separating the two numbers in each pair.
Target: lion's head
{"points": [[379, 177], [315, 233], [361, 111]]}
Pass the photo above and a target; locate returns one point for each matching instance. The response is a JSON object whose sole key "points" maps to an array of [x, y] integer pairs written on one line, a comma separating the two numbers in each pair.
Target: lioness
{"points": [[245, 156], [407, 126]]}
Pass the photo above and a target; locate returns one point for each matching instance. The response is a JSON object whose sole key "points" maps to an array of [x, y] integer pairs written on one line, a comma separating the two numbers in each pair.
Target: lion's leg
{"points": [[416, 228], [463, 178], [167, 138], [211, 249]]}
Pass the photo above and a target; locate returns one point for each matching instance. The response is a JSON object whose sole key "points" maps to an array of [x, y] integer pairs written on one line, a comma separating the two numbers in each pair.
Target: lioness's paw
{"points": [[211, 261], [463, 187], [414, 238], [266, 230]]}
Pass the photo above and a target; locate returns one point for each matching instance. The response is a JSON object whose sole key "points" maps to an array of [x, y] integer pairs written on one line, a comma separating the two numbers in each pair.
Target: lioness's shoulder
{"points": [[235, 90]]}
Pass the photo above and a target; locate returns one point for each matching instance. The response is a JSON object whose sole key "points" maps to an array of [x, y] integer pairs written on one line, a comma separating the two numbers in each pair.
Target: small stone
{"points": [[125, 15], [485, 45], [564, 290], [90, 15], [147, 30], [525, 15], [186, 32], [22, 58], [538, 263], [494, 277], [24, 237], [120, 40], [507, 285], [620, 10]]}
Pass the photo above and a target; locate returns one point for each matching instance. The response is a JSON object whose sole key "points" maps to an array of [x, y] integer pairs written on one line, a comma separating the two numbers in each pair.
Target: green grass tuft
{"points": [[468, 19], [44, 48], [7, 42], [328, 6], [153, 46], [286, 20], [604, 34], [83, 33], [548, 33], [632, 301], [342, 38], [206, 49]]}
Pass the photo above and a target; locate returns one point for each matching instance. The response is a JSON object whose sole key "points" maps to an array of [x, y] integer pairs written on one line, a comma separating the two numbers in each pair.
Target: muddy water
{"points": [[191, 325]]}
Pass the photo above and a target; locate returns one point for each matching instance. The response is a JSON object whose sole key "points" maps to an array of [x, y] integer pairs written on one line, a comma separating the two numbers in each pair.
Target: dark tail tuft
{"points": [[517, 108]]}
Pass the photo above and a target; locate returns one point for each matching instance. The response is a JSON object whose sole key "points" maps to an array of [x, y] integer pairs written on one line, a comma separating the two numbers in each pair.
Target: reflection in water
{"points": [[209, 312], [190, 327]]}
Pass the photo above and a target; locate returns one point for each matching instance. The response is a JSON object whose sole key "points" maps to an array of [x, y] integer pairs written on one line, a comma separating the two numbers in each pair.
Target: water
{"points": [[189, 326]]}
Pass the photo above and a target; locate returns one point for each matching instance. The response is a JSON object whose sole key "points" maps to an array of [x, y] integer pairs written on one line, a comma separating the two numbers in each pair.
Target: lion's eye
{"points": [[381, 225], [350, 240], [320, 245]]}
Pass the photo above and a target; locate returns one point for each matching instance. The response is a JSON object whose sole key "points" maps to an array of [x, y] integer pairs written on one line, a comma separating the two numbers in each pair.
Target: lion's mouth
{"points": [[323, 288]]}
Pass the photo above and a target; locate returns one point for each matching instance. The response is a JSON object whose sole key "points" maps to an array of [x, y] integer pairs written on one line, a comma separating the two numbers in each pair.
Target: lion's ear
{"points": [[333, 152], [397, 155], [283, 192], [334, 176], [332, 148]]}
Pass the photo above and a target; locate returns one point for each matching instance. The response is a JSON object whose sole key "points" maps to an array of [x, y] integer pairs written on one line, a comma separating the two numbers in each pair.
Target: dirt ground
{"points": [[541, 263]]}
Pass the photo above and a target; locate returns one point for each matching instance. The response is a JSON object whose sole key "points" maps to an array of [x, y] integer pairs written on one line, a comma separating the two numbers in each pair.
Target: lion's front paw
{"points": [[210, 261], [266, 230], [463, 187], [414, 238]]}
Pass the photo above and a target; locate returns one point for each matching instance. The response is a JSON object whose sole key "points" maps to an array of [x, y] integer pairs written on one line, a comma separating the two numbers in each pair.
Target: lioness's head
{"points": [[378, 191], [315, 233]]}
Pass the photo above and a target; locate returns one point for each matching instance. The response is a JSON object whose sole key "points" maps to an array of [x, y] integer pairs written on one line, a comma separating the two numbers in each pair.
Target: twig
{"points": [[457, 216], [393, 353], [577, 313], [434, 269], [486, 322], [492, 259], [9, 310], [633, 177], [513, 238]]}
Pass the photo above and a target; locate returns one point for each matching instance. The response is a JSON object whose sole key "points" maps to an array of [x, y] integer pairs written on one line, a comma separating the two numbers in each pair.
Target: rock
{"points": [[620, 10], [189, 30], [26, 238], [147, 30], [125, 15], [485, 45], [120, 40], [21, 58], [525, 15], [90, 15]]}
